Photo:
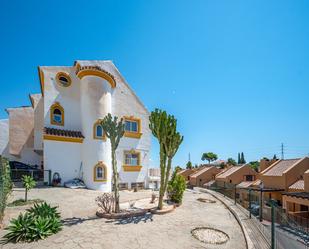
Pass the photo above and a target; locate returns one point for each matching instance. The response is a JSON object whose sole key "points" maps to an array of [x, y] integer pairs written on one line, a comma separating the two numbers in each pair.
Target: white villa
{"points": [[61, 130]]}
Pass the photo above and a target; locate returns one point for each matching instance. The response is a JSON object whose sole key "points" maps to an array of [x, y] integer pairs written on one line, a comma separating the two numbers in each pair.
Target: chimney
{"points": [[265, 163]]}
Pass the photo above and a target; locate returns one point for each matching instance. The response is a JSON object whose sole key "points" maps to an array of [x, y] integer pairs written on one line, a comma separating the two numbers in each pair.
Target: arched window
{"points": [[57, 114], [98, 132], [99, 172]]}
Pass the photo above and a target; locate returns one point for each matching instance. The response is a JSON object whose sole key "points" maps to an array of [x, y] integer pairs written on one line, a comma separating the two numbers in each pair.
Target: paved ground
{"points": [[83, 230], [260, 233]]}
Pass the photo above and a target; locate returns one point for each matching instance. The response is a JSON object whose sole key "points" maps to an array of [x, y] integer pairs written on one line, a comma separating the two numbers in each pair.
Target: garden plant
{"points": [[37, 223], [164, 128], [29, 183], [114, 130], [176, 188], [5, 185]]}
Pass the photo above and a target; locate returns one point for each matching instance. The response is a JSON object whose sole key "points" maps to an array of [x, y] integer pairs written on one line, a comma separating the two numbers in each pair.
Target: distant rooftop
{"points": [[244, 184], [201, 171], [280, 167], [229, 171]]}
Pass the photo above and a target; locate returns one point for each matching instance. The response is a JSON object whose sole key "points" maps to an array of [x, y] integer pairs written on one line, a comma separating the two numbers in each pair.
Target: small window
{"points": [[57, 114], [132, 127], [99, 173], [249, 178], [63, 79], [98, 132], [132, 159]]}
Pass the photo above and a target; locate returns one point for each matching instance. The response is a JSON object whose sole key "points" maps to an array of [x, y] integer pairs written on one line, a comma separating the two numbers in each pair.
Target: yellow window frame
{"points": [[132, 134], [56, 105], [103, 166]]}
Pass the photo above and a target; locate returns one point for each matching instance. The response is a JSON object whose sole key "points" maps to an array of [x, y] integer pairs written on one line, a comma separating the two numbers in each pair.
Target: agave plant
{"points": [[43, 227], [19, 229], [43, 210], [39, 222]]}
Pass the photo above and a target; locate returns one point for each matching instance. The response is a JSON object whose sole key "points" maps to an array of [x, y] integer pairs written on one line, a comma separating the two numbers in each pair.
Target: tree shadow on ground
{"points": [[133, 220], [75, 221]]}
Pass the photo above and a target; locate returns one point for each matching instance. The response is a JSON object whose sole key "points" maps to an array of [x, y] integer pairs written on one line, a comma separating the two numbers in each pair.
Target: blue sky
{"points": [[234, 73]]}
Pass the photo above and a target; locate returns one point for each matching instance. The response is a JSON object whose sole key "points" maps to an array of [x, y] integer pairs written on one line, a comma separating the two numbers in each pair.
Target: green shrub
{"points": [[176, 188], [5, 185], [37, 223], [28, 183], [43, 210], [19, 229]]}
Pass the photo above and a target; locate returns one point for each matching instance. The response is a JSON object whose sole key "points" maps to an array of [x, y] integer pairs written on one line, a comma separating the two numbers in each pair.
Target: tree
{"points": [[222, 165], [239, 160], [114, 131], [5, 185], [275, 157], [231, 161], [29, 183], [164, 128], [209, 156], [177, 169], [255, 165], [189, 165], [242, 158]]}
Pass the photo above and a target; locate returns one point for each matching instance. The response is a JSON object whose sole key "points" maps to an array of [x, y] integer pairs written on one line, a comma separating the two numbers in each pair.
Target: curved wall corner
{"points": [[96, 102]]}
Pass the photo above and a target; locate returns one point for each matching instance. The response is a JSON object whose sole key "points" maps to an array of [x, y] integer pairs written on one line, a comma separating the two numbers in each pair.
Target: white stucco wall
{"points": [[64, 158], [84, 102], [68, 98], [95, 104]]}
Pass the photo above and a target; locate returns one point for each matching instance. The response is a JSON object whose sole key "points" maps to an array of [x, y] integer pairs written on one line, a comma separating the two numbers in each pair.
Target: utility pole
{"points": [[282, 151], [189, 157]]}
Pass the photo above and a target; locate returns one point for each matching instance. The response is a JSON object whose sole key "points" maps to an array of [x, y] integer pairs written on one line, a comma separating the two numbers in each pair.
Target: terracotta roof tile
{"points": [[299, 185], [201, 171], [229, 171], [280, 167], [208, 184], [62, 133], [257, 182], [244, 184]]}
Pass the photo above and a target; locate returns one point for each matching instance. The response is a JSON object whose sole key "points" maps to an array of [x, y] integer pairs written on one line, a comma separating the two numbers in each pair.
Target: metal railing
{"points": [[298, 225], [37, 174]]}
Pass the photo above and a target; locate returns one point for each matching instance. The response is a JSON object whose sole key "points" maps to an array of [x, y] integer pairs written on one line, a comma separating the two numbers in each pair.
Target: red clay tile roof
{"points": [[201, 171], [257, 182], [62, 133], [299, 185], [280, 167], [244, 184], [208, 184], [229, 171]]}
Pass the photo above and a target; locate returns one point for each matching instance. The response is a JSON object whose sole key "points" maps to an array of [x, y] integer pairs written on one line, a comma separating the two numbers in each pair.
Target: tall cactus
{"points": [[114, 130], [5, 185], [164, 128]]}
